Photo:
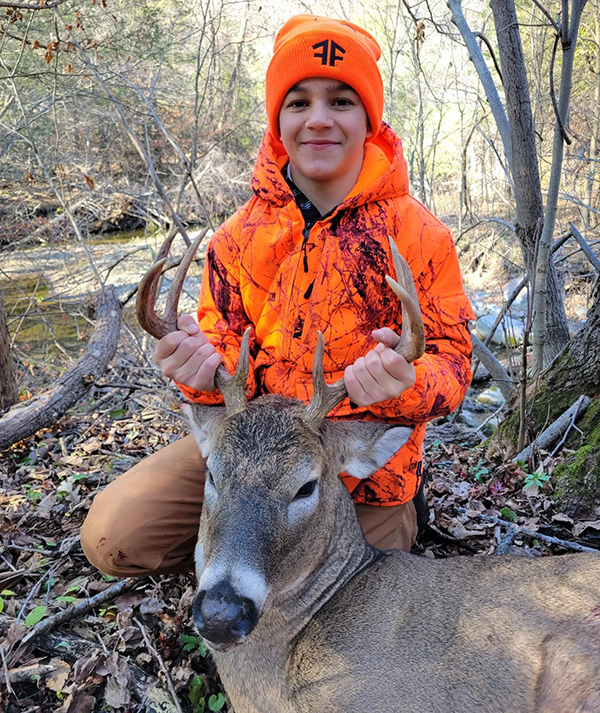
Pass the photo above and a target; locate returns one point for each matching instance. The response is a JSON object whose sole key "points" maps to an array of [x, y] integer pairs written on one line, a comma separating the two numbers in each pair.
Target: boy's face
{"points": [[323, 126]]}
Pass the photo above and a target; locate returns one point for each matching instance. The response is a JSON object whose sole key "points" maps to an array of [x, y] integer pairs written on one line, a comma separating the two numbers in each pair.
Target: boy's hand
{"points": [[381, 374], [187, 356]]}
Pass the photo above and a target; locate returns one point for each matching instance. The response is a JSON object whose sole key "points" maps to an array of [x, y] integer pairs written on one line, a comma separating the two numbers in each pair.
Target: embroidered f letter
{"points": [[330, 52]]}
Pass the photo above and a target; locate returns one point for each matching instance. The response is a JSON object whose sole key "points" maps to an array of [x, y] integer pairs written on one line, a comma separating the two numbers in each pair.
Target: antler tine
{"points": [[412, 339], [411, 344], [146, 297], [325, 396], [233, 387], [161, 256]]}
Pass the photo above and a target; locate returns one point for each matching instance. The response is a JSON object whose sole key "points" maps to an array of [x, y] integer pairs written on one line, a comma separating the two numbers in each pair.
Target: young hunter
{"points": [[308, 252]]}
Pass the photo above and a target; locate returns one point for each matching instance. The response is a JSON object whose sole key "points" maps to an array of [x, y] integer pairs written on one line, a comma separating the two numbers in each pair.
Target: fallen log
{"points": [[42, 411], [556, 429]]}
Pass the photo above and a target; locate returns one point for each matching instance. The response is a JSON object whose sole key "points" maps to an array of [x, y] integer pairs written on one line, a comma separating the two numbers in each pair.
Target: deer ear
{"points": [[365, 446], [203, 421]]}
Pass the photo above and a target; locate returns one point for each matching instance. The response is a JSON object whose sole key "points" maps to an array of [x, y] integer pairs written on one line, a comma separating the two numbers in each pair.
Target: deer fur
{"points": [[329, 624]]}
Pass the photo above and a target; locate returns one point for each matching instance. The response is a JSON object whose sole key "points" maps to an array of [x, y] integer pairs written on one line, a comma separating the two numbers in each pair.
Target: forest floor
{"points": [[50, 481]]}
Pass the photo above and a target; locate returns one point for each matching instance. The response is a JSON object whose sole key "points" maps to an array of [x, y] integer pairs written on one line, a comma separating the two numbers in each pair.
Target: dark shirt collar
{"points": [[310, 212]]}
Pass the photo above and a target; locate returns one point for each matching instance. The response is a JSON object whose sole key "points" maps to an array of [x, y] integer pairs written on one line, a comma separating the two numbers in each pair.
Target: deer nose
{"points": [[222, 616]]}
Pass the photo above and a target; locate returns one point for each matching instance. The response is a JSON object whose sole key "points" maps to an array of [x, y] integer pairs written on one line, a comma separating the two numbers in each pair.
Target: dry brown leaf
{"points": [[116, 691], [581, 527], [57, 679], [85, 667], [79, 702], [15, 633]]}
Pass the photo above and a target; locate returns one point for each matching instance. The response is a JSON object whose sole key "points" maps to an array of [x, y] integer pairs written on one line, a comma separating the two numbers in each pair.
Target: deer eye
{"points": [[306, 490]]}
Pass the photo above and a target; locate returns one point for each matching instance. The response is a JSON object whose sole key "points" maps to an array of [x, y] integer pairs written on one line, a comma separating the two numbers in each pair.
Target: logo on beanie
{"points": [[330, 53]]}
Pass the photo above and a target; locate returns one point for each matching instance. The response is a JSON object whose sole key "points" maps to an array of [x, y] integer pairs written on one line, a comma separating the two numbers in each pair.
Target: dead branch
{"points": [[497, 371], [161, 664], [556, 429], [24, 673], [507, 541], [488, 44], [531, 533], [79, 609], [583, 244], [28, 6], [42, 411]]}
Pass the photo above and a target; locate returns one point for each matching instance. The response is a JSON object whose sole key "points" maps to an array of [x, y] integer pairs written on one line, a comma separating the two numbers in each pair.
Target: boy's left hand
{"points": [[381, 374]]}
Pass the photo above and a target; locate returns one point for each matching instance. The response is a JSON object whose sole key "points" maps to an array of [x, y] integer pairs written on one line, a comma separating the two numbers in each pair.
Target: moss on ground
{"points": [[578, 478]]}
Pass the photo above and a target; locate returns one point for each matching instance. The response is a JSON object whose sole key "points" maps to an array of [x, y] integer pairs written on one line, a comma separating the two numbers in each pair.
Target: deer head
{"points": [[274, 506]]}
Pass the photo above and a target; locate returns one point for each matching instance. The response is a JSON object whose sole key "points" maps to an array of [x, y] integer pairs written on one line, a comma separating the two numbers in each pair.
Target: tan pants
{"points": [[146, 521]]}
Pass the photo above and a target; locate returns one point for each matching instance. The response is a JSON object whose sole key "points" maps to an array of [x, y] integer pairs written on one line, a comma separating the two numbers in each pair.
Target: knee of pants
{"points": [[105, 542]]}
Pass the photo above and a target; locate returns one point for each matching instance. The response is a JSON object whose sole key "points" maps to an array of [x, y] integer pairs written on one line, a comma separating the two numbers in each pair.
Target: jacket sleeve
{"points": [[443, 373], [221, 314]]}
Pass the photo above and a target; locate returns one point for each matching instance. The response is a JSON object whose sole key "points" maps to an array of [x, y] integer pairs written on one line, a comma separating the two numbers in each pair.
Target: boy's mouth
{"points": [[320, 143]]}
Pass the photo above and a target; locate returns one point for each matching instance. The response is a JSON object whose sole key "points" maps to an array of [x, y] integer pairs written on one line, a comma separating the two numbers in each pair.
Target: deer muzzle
{"points": [[223, 617]]}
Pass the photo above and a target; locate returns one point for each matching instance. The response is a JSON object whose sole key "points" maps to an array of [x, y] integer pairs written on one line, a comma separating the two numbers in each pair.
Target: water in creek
{"points": [[45, 290]]}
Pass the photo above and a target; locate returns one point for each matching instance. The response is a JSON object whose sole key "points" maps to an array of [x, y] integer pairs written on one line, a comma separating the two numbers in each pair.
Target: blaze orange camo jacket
{"points": [[261, 270]]}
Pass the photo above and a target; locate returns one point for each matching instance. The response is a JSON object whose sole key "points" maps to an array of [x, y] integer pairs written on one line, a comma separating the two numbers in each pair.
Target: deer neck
{"points": [[347, 554]]}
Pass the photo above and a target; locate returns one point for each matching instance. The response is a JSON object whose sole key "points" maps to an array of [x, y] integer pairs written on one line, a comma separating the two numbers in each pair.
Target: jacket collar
{"points": [[383, 175]]}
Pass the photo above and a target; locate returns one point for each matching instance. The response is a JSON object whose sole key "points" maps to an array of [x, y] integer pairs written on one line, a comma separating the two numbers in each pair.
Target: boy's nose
{"points": [[319, 116]]}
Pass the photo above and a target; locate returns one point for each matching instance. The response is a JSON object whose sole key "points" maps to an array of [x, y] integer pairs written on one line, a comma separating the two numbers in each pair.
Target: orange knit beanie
{"points": [[312, 46]]}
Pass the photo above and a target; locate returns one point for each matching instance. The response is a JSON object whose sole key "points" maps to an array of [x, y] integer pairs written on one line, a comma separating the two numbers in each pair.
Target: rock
{"points": [[484, 325], [480, 302], [519, 306], [491, 397], [469, 418], [513, 327], [482, 374], [491, 426]]}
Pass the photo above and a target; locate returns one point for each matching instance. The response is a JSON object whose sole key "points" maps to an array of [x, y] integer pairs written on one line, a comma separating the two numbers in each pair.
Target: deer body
{"points": [[467, 636], [303, 616]]}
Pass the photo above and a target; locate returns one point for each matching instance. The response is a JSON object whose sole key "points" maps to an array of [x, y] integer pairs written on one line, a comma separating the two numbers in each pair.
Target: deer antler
{"points": [[411, 344], [232, 387]]}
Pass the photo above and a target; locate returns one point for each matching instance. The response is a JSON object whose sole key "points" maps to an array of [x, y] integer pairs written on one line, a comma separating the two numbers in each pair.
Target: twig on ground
{"points": [[455, 540], [70, 648], [5, 669], [35, 590], [25, 673], [80, 608], [161, 664], [507, 541], [531, 533]]}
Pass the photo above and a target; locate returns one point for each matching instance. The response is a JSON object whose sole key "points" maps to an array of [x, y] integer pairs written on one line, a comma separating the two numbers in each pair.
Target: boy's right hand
{"points": [[186, 356]]}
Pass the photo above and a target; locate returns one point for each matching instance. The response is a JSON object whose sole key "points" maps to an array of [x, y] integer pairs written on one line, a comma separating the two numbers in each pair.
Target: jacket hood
{"points": [[384, 173]]}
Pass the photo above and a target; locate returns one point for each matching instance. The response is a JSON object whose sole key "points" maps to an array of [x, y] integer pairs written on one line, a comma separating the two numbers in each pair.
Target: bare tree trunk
{"points": [[544, 348], [595, 125], [526, 177], [9, 394]]}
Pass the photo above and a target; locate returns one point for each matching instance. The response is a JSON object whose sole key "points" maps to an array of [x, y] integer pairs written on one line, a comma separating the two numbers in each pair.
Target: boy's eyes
{"points": [[339, 101]]}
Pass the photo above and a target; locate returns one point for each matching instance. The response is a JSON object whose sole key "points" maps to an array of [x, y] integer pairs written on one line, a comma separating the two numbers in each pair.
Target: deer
{"points": [[302, 615]]}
